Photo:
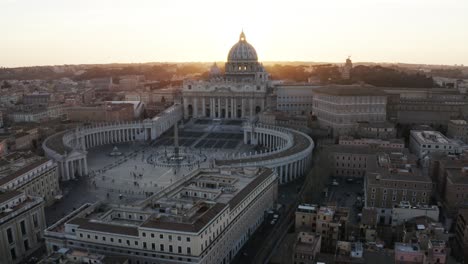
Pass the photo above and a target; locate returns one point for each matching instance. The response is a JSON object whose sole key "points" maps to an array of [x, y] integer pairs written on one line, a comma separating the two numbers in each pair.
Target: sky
{"points": [[56, 32]]}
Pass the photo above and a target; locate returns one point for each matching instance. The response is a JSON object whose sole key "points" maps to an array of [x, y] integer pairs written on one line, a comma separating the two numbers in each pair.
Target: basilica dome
{"points": [[242, 51]]}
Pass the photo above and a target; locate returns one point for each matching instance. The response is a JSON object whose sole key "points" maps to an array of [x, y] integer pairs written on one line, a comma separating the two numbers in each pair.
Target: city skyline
{"points": [[55, 33]]}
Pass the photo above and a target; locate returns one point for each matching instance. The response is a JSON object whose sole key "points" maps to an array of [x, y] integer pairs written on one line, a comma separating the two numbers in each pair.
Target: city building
{"points": [[36, 98], [455, 195], [306, 247], [340, 107], [434, 252], [408, 253], [37, 177], [392, 178], [378, 130], [102, 113], [346, 69], [423, 143], [242, 92], [379, 143], [352, 160], [205, 218], [1, 119], [461, 233], [22, 222], [349, 252], [283, 119], [404, 211], [328, 222], [25, 139], [73, 256], [434, 106], [35, 113], [294, 99], [458, 129]]}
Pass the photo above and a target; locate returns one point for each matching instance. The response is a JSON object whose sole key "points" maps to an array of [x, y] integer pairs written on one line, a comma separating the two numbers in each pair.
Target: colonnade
{"points": [[288, 152], [69, 149]]}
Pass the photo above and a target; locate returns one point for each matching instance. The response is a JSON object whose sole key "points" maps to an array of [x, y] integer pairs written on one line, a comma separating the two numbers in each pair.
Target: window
{"points": [[179, 238], [10, 236], [170, 248], [35, 222], [161, 247], [179, 249], [13, 253], [188, 239], [161, 236], [23, 227], [26, 245], [189, 250]]}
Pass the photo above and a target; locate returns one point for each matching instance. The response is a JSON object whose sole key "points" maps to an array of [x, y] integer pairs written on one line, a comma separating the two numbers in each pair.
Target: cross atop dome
{"points": [[242, 36]]}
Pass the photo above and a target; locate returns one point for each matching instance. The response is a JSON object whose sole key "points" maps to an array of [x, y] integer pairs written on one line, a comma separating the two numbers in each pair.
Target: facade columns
{"points": [[185, 107], [226, 111], [233, 108], [80, 167], [85, 165], [219, 107], [243, 108], [67, 171], [203, 107], [195, 107], [212, 108]]}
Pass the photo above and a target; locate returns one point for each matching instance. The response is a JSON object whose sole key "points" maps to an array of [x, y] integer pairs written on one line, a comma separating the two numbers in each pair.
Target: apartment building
{"points": [[328, 222], [458, 129], [380, 130], [204, 218], [306, 247], [423, 143], [340, 107], [351, 160], [37, 177], [393, 178], [22, 222]]}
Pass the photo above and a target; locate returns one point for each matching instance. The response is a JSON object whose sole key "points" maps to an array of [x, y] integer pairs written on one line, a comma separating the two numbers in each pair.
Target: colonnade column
{"points": [[67, 171], [185, 107], [219, 107]]}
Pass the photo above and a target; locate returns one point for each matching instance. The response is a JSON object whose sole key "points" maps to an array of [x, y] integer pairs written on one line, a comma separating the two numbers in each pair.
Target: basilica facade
{"points": [[241, 92]]}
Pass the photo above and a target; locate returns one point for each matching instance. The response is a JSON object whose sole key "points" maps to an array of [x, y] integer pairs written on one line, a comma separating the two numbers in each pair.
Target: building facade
{"points": [[423, 143], [206, 218], [295, 99], [22, 222], [458, 129], [340, 107], [242, 92], [38, 178], [328, 222]]}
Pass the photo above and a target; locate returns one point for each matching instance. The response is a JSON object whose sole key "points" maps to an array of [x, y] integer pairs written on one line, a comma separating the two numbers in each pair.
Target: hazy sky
{"points": [[43, 32]]}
